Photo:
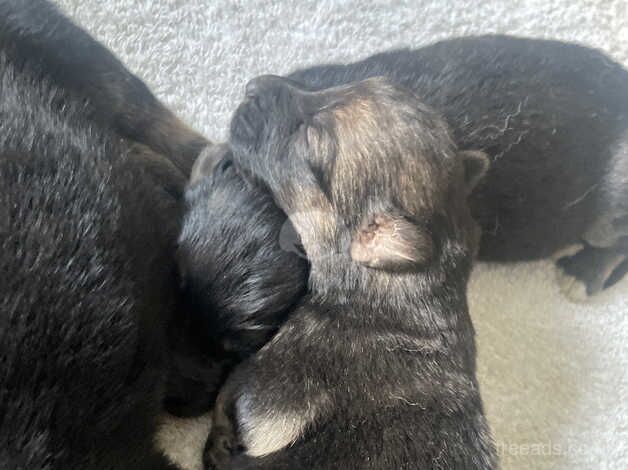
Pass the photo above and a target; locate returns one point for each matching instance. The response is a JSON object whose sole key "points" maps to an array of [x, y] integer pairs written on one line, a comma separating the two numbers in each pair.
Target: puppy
{"points": [[375, 367], [89, 215], [553, 118], [241, 273]]}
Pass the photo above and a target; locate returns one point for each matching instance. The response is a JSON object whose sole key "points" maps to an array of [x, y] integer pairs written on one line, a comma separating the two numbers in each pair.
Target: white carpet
{"points": [[554, 374]]}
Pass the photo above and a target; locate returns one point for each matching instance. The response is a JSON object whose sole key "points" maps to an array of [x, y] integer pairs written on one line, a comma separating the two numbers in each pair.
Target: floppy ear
{"points": [[207, 160], [392, 243], [476, 164]]}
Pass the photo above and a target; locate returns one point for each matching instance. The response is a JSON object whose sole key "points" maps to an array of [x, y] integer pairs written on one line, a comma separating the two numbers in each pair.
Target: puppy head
{"points": [[384, 162], [238, 281]]}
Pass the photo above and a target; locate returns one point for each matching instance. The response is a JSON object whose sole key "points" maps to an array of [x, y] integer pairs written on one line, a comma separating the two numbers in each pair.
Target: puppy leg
{"points": [[599, 264], [260, 434], [247, 427], [269, 404], [601, 260], [591, 270], [364, 444], [604, 258], [37, 36]]}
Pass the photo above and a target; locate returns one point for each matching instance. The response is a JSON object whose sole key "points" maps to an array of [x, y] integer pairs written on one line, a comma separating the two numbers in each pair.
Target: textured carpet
{"points": [[554, 374]]}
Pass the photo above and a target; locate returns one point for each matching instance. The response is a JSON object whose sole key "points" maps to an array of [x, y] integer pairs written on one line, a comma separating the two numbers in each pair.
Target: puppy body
{"points": [[86, 288], [553, 117], [375, 368], [88, 225]]}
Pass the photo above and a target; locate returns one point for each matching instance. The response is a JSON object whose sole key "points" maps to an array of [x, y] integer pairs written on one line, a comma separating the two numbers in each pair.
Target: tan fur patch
{"points": [[170, 136], [315, 221], [357, 110], [273, 433], [274, 430]]}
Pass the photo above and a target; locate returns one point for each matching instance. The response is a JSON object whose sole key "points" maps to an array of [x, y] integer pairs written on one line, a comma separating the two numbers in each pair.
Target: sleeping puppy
{"points": [[375, 367], [89, 216], [553, 118], [241, 273]]}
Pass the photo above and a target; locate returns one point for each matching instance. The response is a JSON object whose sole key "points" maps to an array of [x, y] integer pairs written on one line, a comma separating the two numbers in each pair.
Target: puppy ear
{"points": [[392, 243], [476, 164], [207, 160]]}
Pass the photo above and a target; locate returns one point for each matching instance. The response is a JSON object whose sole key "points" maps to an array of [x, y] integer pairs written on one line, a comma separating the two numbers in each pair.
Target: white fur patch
{"points": [[569, 250], [263, 434]]}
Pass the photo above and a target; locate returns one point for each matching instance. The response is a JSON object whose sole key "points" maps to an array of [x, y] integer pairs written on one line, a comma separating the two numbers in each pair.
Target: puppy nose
{"points": [[261, 83]]}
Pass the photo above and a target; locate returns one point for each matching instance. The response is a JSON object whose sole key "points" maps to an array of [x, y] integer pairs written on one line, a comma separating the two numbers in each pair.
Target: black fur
{"points": [[36, 33], [552, 116], [88, 225], [238, 279], [374, 368]]}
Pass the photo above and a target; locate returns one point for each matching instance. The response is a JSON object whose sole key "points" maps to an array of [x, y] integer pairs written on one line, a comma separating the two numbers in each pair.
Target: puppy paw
{"points": [[589, 271], [220, 448]]}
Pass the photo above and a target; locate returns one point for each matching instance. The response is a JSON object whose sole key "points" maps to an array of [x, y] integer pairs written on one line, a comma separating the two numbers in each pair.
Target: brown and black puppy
{"points": [[241, 273], [89, 217], [553, 118], [375, 367]]}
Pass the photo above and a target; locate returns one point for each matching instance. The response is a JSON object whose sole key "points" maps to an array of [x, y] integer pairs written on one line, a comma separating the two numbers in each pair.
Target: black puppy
{"points": [[375, 367], [241, 273], [89, 215], [553, 117]]}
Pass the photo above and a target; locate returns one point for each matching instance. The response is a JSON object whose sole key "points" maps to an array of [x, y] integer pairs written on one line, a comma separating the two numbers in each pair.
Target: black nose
{"points": [[263, 82]]}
